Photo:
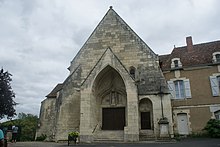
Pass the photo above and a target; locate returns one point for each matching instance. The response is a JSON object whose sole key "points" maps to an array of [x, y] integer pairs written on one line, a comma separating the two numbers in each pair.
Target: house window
{"points": [[179, 89], [216, 57], [215, 85], [218, 79], [217, 114], [175, 63]]}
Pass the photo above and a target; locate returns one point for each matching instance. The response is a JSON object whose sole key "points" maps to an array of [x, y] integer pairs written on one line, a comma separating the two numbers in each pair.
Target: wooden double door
{"points": [[113, 118]]}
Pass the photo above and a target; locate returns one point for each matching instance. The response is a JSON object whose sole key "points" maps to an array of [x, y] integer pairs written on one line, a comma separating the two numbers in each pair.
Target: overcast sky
{"points": [[39, 38]]}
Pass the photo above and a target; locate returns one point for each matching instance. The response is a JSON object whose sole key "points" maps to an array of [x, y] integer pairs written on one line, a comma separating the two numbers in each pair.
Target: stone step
{"points": [[146, 132], [102, 136], [147, 135], [147, 138], [107, 140]]}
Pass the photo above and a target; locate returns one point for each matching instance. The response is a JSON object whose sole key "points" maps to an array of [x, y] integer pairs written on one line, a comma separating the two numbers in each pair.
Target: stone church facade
{"points": [[115, 90]]}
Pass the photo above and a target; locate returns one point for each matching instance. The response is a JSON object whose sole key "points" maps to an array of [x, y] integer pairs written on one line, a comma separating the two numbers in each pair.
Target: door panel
{"points": [[182, 123], [145, 120], [113, 118]]}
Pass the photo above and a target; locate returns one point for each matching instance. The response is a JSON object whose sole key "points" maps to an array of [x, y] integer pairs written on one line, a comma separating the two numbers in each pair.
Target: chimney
{"points": [[189, 44]]}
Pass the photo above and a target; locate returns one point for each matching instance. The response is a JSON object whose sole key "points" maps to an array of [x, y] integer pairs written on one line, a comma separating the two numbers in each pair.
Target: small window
{"points": [[217, 57], [179, 89], [217, 114], [132, 72], [176, 63]]}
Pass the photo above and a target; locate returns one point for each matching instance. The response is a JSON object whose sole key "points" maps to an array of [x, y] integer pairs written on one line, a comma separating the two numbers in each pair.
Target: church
{"points": [[115, 91]]}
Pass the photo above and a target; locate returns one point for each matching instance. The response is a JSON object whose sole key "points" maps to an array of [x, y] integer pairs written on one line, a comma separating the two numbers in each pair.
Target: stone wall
{"points": [[68, 107], [47, 119]]}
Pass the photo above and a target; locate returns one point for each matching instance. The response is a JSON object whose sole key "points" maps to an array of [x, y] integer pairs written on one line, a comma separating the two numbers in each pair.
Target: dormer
{"points": [[175, 63], [216, 57]]}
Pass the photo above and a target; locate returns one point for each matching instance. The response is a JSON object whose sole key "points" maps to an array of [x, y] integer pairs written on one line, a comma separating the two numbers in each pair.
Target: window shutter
{"points": [[214, 85], [171, 88], [187, 88]]}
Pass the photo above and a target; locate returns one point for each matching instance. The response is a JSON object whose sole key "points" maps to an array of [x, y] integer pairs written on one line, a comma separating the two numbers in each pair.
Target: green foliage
{"points": [[6, 96], [74, 134], [27, 124], [41, 138], [213, 128]]}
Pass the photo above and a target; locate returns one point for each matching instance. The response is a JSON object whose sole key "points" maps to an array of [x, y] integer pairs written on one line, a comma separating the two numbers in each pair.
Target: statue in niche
{"points": [[114, 97]]}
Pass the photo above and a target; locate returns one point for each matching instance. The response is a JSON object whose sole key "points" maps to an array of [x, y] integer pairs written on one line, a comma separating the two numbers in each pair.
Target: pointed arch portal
{"points": [[146, 114], [110, 94]]}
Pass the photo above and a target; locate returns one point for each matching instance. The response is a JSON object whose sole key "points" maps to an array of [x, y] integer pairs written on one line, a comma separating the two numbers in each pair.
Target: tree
{"points": [[7, 96], [27, 125]]}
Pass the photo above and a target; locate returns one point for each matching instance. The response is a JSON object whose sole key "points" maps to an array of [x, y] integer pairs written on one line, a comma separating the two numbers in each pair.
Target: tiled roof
{"points": [[53, 93], [201, 54]]}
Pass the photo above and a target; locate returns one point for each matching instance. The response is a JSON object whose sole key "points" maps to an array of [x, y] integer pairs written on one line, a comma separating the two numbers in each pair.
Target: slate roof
{"points": [[200, 55], [53, 93]]}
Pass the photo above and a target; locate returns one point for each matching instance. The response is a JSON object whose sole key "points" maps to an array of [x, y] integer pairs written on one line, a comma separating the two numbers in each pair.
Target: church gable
{"points": [[113, 32]]}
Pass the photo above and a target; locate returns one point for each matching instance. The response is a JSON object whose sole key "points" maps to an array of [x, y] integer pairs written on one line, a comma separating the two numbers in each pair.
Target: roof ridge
{"points": [[203, 43], [201, 55]]}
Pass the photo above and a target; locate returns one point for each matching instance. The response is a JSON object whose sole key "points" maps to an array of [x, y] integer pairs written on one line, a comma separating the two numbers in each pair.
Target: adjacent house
{"points": [[193, 76]]}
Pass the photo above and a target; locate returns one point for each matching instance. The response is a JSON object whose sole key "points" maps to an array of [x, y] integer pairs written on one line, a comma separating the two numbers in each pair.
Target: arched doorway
{"points": [[146, 114], [110, 95]]}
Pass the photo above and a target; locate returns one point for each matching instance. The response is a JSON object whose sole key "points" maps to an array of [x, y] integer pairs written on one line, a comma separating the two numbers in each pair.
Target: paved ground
{"points": [[204, 142]]}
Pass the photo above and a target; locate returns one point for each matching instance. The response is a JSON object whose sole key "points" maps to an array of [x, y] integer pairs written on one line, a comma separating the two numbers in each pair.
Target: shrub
{"points": [[41, 138], [73, 134], [213, 128]]}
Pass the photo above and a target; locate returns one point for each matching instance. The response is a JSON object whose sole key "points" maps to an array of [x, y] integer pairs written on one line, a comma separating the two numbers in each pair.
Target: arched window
{"points": [[132, 72]]}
